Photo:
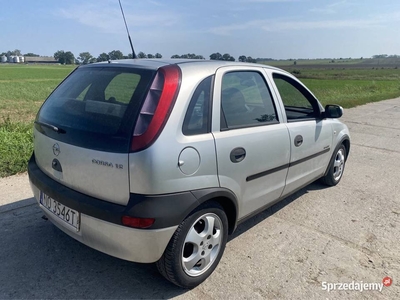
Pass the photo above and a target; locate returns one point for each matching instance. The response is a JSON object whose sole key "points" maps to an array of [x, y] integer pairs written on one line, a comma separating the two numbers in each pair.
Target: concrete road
{"points": [[319, 235]]}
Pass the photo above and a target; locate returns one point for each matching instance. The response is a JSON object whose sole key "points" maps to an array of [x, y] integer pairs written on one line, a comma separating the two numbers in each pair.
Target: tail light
{"points": [[137, 222], [156, 107]]}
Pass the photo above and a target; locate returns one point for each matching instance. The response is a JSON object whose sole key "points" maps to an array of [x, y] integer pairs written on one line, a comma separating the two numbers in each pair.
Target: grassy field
{"points": [[350, 87], [23, 88], [336, 63]]}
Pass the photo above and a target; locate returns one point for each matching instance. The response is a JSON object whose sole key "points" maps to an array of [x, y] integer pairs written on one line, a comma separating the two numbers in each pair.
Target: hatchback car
{"points": [[160, 160]]}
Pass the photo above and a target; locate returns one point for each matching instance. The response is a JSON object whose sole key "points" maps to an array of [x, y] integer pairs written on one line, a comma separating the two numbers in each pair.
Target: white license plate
{"points": [[66, 214]]}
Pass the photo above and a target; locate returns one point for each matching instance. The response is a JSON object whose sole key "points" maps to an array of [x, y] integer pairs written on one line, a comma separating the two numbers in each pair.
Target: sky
{"points": [[278, 29]]}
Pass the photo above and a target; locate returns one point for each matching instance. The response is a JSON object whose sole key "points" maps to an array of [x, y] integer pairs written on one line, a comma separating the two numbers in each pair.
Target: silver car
{"points": [[160, 160]]}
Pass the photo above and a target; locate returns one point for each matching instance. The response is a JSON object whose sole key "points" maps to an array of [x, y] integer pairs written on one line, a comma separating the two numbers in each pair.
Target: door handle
{"points": [[298, 140], [237, 154]]}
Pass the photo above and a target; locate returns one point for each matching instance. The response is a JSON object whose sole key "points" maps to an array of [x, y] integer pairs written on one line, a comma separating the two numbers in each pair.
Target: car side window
{"points": [[299, 103], [246, 100], [197, 119]]}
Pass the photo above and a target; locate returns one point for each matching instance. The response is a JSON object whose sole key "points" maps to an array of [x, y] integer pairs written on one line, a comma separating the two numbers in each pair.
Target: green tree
{"points": [[103, 57], [62, 57], [250, 59], [115, 55], [228, 57], [85, 58], [216, 56], [31, 54], [69, 58], [242, 58], [158, 55], [188, 56], [141, 55], [150, 55]]}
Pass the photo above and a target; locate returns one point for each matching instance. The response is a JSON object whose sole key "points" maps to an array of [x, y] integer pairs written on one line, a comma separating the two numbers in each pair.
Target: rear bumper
{"points": [[100, 223], [131, 244]]}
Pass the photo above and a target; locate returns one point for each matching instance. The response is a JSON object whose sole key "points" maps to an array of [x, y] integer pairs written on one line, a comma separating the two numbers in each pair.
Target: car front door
{"points": [[310, 135], [252, 142]]}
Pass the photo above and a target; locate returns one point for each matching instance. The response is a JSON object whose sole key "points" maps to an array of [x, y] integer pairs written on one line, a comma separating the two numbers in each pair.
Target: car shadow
{"points": [[253, 221], [39, 261]]}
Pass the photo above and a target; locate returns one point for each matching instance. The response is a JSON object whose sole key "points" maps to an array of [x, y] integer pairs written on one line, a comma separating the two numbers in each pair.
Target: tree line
{"points": [[17, 52], [86, 58], [67, 57]]}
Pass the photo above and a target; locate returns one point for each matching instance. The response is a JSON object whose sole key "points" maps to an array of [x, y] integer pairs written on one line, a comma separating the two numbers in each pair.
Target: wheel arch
{"points": [[223, 197], [345, 141], [346, 144]]}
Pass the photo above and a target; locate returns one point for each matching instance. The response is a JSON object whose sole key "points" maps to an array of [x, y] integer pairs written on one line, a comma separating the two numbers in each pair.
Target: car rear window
{"points": [[99, 104]]}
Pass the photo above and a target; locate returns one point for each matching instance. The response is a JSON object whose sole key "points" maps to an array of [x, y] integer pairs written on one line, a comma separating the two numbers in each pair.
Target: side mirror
{"points": [[333, 111]]}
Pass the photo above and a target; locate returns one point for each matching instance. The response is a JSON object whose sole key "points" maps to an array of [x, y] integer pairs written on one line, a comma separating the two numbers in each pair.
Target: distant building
{"points": [[40, 59], [28, 59]]}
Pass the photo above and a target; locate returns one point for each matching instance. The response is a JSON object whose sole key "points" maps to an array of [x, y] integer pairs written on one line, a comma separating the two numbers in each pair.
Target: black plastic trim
{"points": [[280, 168], [167, 209], [267, 172]]}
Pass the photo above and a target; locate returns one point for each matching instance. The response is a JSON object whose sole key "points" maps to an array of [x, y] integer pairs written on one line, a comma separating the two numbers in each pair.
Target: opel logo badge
{"points": [[56, 149]]}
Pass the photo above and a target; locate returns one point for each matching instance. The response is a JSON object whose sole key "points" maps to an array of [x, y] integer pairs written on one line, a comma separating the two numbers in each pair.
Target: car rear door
{"points": [[310, 135], [252, 144]]}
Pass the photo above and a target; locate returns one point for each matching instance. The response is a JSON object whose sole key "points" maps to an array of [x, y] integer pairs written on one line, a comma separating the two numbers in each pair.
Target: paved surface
{"points": [[337, 235]]}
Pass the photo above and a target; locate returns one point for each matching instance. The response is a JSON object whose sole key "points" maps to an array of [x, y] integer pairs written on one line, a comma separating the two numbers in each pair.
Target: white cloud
{"points": [[269, 1], [332, 8], [109, 19], [155, 3], [286, 25], [333, 24]]}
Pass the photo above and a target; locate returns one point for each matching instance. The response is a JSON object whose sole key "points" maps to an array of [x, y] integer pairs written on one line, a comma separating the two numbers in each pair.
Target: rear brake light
{"points": [[137, 222], [156, 107]]}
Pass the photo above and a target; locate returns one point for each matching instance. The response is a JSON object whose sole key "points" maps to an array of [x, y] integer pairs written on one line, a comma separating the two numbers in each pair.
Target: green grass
{"points": [[15, 146], [346, 73], [23, 88], [350, 87], [350, 93], [335, 62]]}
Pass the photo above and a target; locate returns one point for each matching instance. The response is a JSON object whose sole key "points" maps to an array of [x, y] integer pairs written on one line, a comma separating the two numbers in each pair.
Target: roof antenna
{"points": [[126, 26]]}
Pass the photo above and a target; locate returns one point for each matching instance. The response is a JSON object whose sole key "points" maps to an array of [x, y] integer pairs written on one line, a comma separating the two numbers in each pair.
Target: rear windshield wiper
{"points": [[55, 128]]}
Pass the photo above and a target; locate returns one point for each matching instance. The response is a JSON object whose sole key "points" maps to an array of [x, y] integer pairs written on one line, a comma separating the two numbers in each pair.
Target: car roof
{"points": [[159, 62]]}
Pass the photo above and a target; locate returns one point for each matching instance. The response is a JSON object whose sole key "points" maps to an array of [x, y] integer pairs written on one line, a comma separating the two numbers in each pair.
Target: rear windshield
{"points": [[96, 106]]}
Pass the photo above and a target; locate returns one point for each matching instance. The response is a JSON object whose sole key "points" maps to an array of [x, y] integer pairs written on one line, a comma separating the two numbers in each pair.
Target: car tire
{"points": [[196, 247], [336, 167]]}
